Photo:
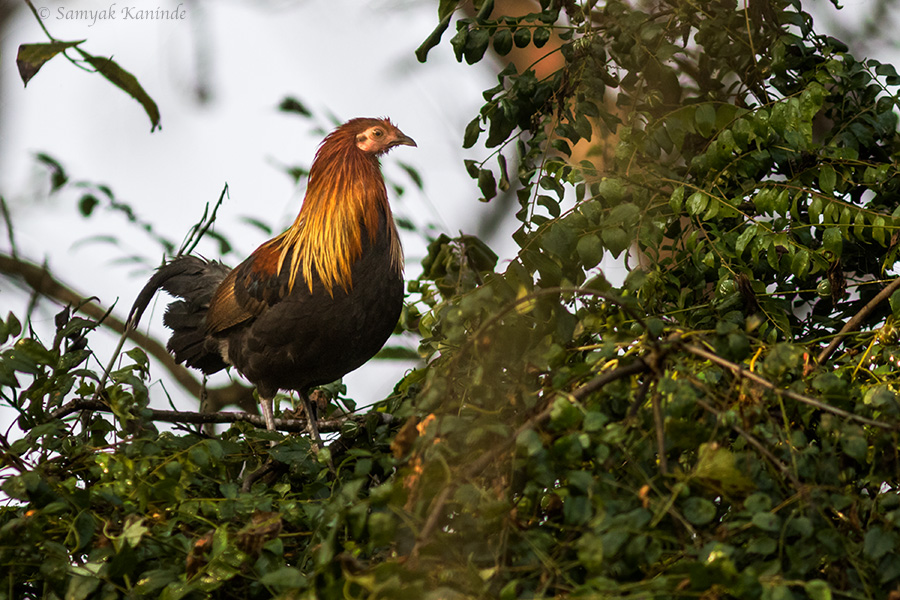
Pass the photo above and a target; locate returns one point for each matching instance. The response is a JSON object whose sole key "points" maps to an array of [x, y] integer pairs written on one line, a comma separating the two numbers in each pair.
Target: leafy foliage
{"points": [[31, 57], [687, 433]]}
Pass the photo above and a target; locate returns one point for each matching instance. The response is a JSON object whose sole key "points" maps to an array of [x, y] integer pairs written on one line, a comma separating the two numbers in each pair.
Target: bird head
{"points": [[377, 136]]}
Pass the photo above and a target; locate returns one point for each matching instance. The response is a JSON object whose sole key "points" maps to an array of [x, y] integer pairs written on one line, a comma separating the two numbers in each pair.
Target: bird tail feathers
{"points": [[194, 280]]}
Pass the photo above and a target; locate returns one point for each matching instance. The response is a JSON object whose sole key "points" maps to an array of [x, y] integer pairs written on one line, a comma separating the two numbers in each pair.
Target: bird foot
{"points": [[312, 427]]}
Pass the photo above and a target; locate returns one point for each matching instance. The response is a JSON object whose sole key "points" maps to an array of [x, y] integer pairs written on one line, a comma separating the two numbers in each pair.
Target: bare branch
{"points": [[856, 321], [742, 372], [177, 416]]}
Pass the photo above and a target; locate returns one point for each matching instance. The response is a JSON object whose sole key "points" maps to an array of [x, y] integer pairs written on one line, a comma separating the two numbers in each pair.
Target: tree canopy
{"points": [[723, 424]]}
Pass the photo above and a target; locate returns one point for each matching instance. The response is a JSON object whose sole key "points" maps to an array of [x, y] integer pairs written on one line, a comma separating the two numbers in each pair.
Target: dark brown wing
{"points": [[248, 290]]}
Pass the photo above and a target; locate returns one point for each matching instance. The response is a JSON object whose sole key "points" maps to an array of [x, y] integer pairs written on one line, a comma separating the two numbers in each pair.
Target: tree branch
{"points": [[742, 372], [856, 321], [176, 416]]}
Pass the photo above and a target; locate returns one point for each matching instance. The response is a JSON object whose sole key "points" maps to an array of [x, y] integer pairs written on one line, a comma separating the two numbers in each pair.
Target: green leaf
{"points": [[624, 213], [745, 238], [382, 528], [397, 353], [487, 184], [855, 446], [292, 105], [718, 464], [284, 578], [81, 586], [800, 264], [696, 203], [540, 36], [879, 230], [878, 542], [699, 511], [83, 527], [551, 204], [151, 581], [676, 199], [615, 239], [413, 174], [895, 304], [433, 39], [590, 552], [133, 532], [827, 179], [590, 250], [502, 41], [58, 177], [87, 204], [446, 8], [818, 589], [458, 42], [530, 442], [705, 119], [126, 82], [522, 37], [815, 210], [766, 521], [476, 44], [31, 57], [833, 240]]}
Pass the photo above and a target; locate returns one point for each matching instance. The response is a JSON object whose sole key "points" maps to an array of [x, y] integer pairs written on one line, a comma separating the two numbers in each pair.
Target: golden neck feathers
{"points": [[345, 200]]}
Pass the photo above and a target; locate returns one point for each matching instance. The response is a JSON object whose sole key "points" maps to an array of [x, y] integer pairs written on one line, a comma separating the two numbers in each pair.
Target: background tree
{"points": [[722, 425]]}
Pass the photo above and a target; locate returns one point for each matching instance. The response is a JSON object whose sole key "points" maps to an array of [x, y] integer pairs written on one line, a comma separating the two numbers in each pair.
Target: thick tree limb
{"points": [[857, 320], [40, 280], [176, 416]]}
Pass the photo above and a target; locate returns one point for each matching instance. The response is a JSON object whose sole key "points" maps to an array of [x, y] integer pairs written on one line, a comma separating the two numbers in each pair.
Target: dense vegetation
{"points": [[722, 425]]}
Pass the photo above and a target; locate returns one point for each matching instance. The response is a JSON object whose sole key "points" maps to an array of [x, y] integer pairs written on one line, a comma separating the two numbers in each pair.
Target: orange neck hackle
{"points": [[345, 196]]}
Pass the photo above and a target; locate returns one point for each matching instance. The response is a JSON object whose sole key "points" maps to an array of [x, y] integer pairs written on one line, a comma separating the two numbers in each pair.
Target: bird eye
{"points": [[377, 133]]}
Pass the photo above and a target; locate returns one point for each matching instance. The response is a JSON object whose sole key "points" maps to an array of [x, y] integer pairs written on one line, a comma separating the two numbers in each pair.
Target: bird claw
{"points": [[312, 427]]}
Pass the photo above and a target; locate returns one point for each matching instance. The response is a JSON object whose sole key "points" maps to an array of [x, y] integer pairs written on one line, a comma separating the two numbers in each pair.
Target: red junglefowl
{"points": [[310, 305]]}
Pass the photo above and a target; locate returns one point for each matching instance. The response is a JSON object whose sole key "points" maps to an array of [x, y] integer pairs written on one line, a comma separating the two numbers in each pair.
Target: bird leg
{"points": [[312, 421], [268, 414]]}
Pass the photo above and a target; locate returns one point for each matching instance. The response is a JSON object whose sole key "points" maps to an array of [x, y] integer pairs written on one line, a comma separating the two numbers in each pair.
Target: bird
{"points": [[313, 303]]}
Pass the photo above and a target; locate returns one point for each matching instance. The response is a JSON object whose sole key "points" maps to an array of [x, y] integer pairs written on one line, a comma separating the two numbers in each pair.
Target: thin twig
{"points": [[659, 425], [856, 320], [200, 229], [742, 372], [7, 219], [640, 397], [39, 20]]}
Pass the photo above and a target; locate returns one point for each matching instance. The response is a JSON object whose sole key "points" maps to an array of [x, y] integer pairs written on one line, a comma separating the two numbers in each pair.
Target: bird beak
{"points": [[404, 140]]}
